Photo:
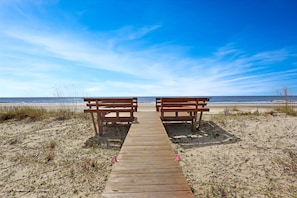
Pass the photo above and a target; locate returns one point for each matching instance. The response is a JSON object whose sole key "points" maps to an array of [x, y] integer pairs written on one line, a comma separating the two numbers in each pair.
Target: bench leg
{"points": [[100, 128], [100, 123], [94, 123], [199, 122], [193, 125], [194, 121]]}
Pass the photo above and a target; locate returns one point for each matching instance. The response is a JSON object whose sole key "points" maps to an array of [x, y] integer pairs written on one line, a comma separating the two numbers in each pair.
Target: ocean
{"points": [[150, 99]]}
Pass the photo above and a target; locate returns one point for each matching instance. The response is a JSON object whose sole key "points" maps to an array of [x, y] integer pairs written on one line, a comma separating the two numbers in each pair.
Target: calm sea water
{"points": [[213, 99]]}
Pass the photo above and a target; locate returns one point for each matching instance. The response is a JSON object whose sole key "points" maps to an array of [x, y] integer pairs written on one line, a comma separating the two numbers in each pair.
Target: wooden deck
{"points": [[147, 166]]}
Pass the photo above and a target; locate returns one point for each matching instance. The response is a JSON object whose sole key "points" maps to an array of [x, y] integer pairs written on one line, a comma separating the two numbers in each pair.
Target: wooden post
{"points": [[200, 117], [100, 123], [94, 123]]}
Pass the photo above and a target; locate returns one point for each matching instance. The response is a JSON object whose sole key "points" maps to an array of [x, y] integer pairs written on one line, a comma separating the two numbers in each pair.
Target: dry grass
{"points": [[29, 113], [288, 107], [22, 113], [289, 110]]}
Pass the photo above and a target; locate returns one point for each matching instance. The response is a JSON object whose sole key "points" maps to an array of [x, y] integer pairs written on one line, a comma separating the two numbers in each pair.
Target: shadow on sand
{"points": [[179, 133], [112, 138], [208, 135]]}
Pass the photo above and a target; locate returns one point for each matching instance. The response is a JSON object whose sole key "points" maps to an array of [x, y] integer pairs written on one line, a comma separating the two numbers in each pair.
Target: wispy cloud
{"points": [[37, 56], [132, 33], [230, 71], [96, 55]]}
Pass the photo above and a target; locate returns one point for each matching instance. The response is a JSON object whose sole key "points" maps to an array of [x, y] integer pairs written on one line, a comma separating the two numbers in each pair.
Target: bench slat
{"points": [[183, 99], [120, 119], [184, 109], [109, 105], [107, 110], [178, 118]]}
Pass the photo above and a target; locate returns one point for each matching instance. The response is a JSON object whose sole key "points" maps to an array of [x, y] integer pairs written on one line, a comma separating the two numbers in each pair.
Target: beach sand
{"points": [[232, 155]]}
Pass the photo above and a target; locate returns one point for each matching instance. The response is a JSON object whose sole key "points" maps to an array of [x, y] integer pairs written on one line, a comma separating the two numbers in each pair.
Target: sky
{"points": [[98, 48]]}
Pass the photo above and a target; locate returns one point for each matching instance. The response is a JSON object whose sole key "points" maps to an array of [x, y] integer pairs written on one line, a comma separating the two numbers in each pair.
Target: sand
{"points": [[232, 155], [242, 156]]}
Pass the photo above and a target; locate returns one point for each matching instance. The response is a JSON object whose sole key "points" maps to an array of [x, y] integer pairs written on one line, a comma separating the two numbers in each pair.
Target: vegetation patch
{"points": [[288, 107], [22, 113], [30, 113], [289, 110]]}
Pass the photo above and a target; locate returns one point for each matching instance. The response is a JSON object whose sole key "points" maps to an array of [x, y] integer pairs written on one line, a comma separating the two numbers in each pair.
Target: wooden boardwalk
{"points": [[147, 166]]}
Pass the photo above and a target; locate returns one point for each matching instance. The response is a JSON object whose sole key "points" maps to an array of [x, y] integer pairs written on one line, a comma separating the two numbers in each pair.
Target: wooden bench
{"points": [[110, 110], [182, 109]]}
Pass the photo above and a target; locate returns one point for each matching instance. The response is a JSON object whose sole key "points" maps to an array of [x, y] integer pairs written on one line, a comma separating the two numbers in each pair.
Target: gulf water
{"points": [[151, 99]]}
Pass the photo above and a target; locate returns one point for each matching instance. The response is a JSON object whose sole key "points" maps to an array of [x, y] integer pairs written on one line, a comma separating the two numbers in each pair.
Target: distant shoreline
{"points": [[150, 106], [151, 99]]}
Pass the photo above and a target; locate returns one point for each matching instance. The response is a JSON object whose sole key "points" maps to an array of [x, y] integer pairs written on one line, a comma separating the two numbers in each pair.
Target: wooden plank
{"points": [[183, 109], [145, 170], [138, 158], [183, 99], [109, 99], [175, 194], [148, 138], [109, 110], [147, 188], [146, 148], [147, 166], [140, 181]]}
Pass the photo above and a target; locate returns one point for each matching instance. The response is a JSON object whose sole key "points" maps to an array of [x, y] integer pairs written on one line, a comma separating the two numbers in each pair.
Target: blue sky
{"points": [[147, 48]]}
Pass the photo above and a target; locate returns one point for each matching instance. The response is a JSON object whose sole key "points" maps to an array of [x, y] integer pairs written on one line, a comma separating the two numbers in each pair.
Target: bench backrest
{"points": [[181, 103], [111, 104]]}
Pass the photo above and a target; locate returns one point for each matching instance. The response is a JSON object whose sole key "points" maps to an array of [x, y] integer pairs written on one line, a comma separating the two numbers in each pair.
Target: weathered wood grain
{"points": [[147, 166]]}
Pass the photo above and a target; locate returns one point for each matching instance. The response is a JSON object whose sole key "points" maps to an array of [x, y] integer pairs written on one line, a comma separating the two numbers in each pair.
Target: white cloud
{"points": [[38, 58], [131, 33], [169, 74]]}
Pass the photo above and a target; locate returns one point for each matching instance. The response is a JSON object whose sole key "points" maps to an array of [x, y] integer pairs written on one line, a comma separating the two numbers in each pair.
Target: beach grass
{"points": [[31, 113], [22, 113], [287, 109]]}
